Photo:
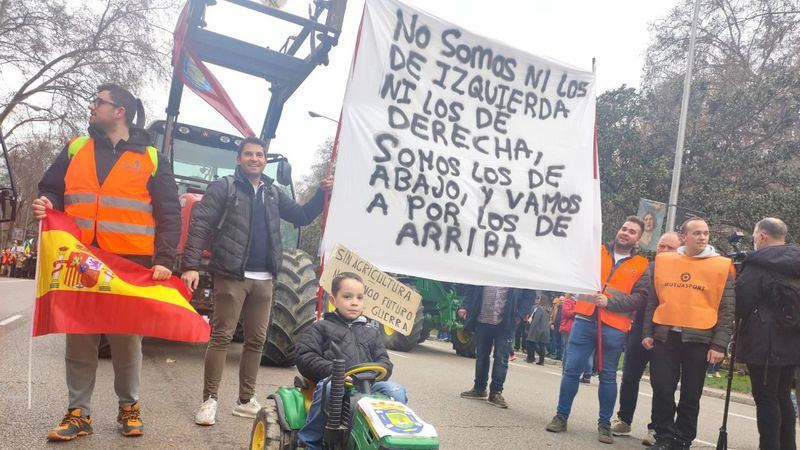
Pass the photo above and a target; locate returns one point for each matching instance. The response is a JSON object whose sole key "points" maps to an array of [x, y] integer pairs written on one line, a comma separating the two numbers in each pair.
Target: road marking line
{"points": [[517, 364], [645, 394], [709, 443], [10, 319], [558, 374], [399, 355], [743, 417]]}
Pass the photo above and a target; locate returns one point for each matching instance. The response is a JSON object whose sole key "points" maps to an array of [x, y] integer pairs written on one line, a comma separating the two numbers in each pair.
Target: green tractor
{"points": [[437, 311], [357, 418]]}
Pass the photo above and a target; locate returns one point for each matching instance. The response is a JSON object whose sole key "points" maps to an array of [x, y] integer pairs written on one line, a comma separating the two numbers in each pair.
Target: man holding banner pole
{"points": [[602, 323], [122, 195]]}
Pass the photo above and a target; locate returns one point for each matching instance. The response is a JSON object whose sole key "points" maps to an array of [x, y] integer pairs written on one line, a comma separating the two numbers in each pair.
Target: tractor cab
{"points": [[200, 156]]}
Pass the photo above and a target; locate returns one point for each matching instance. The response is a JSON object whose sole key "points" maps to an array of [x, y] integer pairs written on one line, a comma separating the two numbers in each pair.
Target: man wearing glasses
{"points": [[122, 195]]}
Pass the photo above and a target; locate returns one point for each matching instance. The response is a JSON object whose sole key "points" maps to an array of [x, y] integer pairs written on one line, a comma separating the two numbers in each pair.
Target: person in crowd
{"points": [[768, 310], [539, 332], [20, 265], [713, 370], [555, 349], [32, 265], [688, 324], [520, 334], [359, 341], [5, 261], [121, 193], [605, 317], [247, 255], [492, 313], [636, 360]]}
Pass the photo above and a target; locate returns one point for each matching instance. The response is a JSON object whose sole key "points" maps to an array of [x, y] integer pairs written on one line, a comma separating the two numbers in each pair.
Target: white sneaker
{"points": [[650, 439], [249, 409], [207, 414]]}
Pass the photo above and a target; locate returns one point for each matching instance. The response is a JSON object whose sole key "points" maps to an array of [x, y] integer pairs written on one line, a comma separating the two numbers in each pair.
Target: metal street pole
{"points": [[687, 84]]}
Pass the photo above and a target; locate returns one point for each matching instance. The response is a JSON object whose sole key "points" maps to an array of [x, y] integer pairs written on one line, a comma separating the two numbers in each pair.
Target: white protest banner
{"points": [[465, 160], [386, 299]]}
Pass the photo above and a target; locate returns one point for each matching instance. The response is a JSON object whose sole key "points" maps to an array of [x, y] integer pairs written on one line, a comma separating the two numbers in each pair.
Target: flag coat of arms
{"points": [[84, 290]]}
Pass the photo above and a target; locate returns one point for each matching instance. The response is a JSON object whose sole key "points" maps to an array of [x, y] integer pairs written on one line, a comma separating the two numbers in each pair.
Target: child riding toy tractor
{"points": [[357, 419]]}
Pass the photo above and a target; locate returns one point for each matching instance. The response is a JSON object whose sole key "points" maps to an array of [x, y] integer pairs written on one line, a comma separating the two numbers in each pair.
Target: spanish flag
{"points": [[85, 290]]}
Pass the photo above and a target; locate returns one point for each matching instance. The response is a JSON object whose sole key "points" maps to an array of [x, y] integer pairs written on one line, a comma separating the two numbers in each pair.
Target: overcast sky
{"points": [[613, 32]]}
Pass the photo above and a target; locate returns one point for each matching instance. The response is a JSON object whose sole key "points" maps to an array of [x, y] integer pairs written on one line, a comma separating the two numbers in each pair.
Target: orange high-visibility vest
{"points": [[616, 281], [689, 289], [119, 214]]}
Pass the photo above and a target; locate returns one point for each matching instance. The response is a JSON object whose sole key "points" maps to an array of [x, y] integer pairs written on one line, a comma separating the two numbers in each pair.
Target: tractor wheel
{"points": [[396, 341], [424, 334], [294, 306], [463, 343], [266, 433]]}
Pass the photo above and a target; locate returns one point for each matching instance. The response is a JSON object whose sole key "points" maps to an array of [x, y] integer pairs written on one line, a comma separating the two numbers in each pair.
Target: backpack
{"points": [[231, 200], [785, 296]]}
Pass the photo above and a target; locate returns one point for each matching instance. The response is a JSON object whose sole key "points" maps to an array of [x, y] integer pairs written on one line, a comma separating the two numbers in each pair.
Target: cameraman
{"points": [[766, 296]]}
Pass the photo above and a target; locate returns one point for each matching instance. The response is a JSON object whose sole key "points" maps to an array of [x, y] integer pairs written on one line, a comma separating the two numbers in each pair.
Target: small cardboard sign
{"points": [[386, 300]]}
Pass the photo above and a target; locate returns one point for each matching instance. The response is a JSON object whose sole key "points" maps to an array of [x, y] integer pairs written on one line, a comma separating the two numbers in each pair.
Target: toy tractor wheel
{"points": [[294, 305], [396, 341], [266, 433], [463, 343]]}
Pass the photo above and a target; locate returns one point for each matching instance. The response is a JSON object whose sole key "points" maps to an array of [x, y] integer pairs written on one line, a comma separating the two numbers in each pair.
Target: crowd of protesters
{"points": [[17, 261]]}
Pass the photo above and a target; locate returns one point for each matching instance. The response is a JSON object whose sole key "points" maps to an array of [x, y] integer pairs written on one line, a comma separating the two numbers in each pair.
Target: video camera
{"points": [[738, 253]]}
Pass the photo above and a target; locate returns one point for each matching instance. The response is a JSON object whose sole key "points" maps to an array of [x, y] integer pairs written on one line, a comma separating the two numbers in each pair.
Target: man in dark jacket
{"points": [[113, 142], [358, 341], [770, 349], [492, 314], [696, 279], [246, 258]]}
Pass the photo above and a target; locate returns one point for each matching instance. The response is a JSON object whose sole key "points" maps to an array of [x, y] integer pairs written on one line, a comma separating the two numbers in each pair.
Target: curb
{"points": [[736, 397]]}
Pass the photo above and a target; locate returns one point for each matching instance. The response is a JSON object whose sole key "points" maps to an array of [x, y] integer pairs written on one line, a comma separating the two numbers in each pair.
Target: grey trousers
{"points": [[253, 300], [81, 361]]}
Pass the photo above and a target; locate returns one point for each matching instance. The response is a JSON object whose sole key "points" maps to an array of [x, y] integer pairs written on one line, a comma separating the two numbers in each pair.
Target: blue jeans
{"points": [[486, 337], [587, 371], [555, 347], [582, 342], [312, 432]]}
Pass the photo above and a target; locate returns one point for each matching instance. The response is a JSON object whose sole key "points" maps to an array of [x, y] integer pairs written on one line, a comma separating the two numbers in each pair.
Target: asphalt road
{"points": [[172, 384]]}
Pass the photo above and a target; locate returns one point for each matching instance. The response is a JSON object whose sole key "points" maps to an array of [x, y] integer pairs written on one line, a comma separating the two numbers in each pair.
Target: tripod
{"points": [[722, 439]]}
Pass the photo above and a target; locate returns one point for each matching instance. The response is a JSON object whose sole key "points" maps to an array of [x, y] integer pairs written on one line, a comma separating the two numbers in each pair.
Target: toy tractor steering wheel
{"points": [[380, 373]]}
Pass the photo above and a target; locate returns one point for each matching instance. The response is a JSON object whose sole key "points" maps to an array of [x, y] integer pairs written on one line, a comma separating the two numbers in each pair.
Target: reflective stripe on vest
{"points": [[118, 214], [689, 290], [616, 281]]}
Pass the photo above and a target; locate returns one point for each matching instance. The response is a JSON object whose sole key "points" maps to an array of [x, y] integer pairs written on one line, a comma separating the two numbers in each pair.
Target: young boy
{"points": [[359, 343]]}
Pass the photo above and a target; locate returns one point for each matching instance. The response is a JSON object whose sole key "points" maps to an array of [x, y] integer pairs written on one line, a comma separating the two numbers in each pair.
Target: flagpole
{"points": [[33, 319]]}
